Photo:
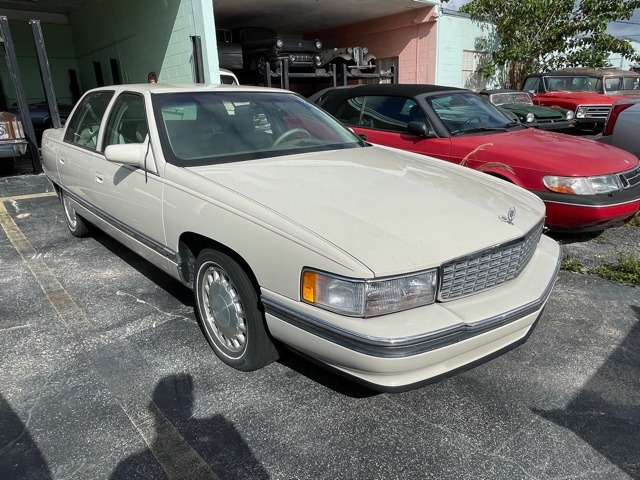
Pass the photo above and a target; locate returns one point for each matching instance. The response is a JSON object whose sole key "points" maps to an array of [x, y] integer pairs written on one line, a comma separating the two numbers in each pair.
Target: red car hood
{"points": [[588, 98], [544, 152]]}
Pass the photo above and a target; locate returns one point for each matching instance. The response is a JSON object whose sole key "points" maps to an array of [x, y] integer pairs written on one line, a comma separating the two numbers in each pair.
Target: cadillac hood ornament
{"points": [[508, 218]]}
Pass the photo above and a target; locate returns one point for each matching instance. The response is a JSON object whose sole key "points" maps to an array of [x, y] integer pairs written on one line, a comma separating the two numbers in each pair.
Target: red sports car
{"points": [[585, 185]]}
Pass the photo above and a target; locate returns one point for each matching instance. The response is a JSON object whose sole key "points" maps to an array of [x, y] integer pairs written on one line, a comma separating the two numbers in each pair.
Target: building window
{"points": [[472, 61]]}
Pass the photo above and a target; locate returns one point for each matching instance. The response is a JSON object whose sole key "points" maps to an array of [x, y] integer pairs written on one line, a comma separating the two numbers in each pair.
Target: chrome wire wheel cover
{"points": [[69, 212], [223, 310]]}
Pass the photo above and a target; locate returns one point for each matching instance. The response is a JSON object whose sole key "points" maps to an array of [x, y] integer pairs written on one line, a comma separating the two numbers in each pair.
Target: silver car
{"points": [[622, 126]]}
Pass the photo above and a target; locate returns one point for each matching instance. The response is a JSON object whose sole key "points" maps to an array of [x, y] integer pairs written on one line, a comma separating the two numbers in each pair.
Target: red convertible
{"points": [[585, 185]]}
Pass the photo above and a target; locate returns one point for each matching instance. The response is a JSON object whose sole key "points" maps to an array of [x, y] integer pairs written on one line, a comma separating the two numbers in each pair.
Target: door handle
{"points": [[99, 178], [61, 159]]}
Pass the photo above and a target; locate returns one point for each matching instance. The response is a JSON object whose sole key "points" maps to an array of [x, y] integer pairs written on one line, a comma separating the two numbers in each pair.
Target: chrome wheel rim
{"points": [[69, 212], [223, 310]]}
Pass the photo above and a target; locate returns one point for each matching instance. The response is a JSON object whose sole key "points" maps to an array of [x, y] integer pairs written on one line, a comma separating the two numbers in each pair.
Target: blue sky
{"points": [[618, 29]]}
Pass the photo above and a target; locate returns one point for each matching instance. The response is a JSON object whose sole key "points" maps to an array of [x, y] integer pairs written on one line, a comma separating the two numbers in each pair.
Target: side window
{"points": [[531, 85], [350, 110], [127, 122], [84, 126], [391, 113]]}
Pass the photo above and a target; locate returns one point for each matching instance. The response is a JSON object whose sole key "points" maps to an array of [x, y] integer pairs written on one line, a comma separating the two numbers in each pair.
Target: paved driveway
{"points": [[104, 373]]}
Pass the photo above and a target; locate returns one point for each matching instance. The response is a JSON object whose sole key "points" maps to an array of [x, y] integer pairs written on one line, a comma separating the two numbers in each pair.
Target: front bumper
{"points": [[401, 351], [555, 125], [12, 148], [583, 213]]}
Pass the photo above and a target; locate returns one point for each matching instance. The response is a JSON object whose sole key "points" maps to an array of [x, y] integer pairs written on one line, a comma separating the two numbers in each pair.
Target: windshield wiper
{"points": [[480, 129]]}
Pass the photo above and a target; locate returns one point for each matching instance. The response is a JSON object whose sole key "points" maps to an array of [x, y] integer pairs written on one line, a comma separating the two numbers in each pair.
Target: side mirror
{"points": [[420, 129], [126, 153]]}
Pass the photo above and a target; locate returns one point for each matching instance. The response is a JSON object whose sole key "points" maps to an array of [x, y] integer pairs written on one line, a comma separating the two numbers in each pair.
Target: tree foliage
{"points": [[542, 35]]}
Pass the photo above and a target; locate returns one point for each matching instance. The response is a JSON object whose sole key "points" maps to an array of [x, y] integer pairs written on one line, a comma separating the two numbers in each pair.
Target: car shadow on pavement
{"points": [[301, 365], [202, 448], [20, 456], [606, 412], [144, 267]]}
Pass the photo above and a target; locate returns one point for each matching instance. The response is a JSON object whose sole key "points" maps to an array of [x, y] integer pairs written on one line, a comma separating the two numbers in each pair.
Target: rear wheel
{"points": [[75, 222], [230, 312]]}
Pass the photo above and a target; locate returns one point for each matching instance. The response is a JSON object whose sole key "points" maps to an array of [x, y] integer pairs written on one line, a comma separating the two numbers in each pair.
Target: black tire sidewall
{"points": [[80, 230], [258, 350]]}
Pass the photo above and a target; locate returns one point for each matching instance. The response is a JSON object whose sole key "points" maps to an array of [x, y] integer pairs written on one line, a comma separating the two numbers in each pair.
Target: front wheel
{"points": [[230, 313], [75, 223]]}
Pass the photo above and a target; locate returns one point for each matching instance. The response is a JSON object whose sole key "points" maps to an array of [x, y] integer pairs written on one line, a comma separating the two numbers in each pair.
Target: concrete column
{"points": [[205, 27]]}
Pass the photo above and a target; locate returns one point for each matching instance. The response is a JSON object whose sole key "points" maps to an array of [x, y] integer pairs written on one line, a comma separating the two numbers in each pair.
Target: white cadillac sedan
{"points": [[390, 267]]}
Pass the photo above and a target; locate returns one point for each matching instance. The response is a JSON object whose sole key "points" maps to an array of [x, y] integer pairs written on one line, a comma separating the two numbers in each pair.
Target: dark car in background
{"points": [[229, 50], [262, 45], [622, 129], [41, 117], [520, 104]]}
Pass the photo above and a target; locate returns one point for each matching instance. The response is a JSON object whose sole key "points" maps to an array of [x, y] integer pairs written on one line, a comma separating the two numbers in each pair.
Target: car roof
{"points": [[410, 90], [600, 72], [154, 88]]}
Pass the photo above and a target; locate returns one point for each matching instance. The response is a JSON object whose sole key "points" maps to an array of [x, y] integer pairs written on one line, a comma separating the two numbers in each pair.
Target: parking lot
{"points": [[105, 374]]}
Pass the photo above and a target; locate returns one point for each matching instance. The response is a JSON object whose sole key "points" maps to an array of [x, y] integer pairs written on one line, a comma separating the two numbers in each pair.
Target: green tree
{"points": [[542, 35]]}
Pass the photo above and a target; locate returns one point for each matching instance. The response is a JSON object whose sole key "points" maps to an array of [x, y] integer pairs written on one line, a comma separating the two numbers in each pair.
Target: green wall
{"points": [[61, 53], [142, 35]]}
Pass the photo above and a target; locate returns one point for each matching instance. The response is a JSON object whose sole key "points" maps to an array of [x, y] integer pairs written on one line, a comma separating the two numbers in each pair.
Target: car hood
{"points": [[540, 112], [587, 98], [545, 152], [394, 211]]}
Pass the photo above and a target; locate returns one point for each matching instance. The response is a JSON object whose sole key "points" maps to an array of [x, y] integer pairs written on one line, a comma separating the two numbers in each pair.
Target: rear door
{"points": [[77, 151]]}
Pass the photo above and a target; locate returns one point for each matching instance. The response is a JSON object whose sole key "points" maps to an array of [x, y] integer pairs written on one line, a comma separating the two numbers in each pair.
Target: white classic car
{"points": [[390, 267]]}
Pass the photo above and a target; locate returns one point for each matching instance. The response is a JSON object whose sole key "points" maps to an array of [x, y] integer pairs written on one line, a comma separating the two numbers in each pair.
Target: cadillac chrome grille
{"points": [[487, 268], [631, 178]]}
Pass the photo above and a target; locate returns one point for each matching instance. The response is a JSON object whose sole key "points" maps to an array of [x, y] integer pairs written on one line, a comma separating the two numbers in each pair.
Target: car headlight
{"points": [[317, 61], [350, 50], [581, 112], [279, 43], [4, 133], [569, 115], [583, 185], [368, 298], [318, 44], [530, 117], [365, 50]]}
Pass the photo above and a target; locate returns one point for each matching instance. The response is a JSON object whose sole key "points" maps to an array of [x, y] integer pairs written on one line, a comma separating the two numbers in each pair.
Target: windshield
{"points": [[511, 98], [202, 128], [568, 83], [465, 111]]}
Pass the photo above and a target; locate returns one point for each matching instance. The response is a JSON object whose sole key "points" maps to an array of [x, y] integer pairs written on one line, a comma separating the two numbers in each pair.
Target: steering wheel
{"points": [[288, 133], [469, 120]]}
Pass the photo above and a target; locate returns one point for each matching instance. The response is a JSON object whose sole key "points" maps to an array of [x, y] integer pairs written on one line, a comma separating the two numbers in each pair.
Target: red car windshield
{"points": [[466, 112]]}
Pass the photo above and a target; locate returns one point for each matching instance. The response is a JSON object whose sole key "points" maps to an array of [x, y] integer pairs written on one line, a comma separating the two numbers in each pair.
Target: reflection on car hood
{"points": [[545, 152], [394, 211]]}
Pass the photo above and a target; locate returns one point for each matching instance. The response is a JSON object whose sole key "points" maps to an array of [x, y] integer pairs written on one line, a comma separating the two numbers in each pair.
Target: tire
{"points": [[75, 222], [230, 313]]}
